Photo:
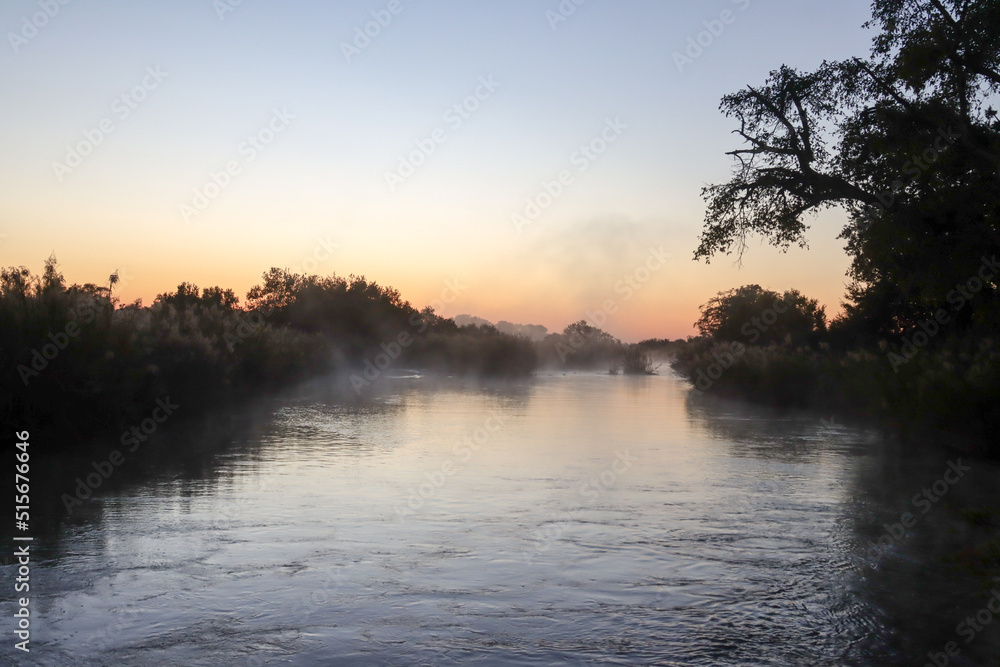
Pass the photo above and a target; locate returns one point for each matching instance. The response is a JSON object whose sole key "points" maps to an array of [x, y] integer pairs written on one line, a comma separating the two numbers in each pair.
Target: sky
{"points": [[534, 161]]}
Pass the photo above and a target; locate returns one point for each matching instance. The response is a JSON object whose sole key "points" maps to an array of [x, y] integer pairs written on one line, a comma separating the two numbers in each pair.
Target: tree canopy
{"points": [[751, 314], [906, 141]]}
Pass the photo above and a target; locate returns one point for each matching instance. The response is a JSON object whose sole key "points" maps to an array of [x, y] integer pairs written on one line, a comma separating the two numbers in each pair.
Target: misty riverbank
{"points": [[949, 395], [78, 363]]}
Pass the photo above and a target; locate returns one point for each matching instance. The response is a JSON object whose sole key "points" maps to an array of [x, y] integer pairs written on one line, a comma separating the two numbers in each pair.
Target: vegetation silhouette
{"points": [[76, 361], [637, 361], [907, 143], [580, 346], [756, 315]]}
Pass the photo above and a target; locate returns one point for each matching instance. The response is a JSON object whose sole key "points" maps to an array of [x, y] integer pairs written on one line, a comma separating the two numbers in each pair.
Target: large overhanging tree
{"points": [[907, 141]]}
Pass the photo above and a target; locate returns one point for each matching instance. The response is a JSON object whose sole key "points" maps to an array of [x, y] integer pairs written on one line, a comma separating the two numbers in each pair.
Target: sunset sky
{"points": [[117, 117]]}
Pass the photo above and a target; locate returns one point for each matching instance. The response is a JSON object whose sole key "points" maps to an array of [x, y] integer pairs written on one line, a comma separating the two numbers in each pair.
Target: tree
{"points": [[582, 346], [905, 141], [52, 281], [185, 297], [113, 280], [278, 290], [583, 331], [751, 314], [218, 297], [15, 282]]}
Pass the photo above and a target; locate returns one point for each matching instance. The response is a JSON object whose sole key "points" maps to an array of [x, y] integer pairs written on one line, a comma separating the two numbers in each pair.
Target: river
{"points": [[569, 519]]}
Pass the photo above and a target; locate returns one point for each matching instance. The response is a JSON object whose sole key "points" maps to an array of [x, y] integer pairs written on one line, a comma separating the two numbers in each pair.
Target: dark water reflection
{"points": [[575, 519]]}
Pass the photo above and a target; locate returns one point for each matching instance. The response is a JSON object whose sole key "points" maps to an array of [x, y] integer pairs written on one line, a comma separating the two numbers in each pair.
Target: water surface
{"points": [[571, 519]]}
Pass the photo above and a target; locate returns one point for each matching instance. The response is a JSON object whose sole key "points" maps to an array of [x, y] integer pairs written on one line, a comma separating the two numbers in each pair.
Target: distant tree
{"points": [[529, 331], [15, 282], [352, 310], [184, 298], [751, 314], [479, 329], [52, 278], [429, 321], [534, 332], [582, 346], [585, 331], [113, 280], [218, 297], [463, 320], [278, 290]]}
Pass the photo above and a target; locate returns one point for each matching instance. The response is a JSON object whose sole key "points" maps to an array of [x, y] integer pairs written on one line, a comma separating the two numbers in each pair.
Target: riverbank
{"points": [[951, 393], [77, 363]]}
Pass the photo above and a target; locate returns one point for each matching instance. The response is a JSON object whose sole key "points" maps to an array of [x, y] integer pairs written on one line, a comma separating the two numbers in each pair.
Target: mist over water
{"points": [[569, 519]]}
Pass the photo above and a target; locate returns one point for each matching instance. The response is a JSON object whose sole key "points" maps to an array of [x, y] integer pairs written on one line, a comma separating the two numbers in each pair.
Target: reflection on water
{"points": [[574, 519]]}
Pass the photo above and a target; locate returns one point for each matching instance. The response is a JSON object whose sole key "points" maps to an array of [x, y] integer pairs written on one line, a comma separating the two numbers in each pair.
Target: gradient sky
{"points": [[322, 179]]}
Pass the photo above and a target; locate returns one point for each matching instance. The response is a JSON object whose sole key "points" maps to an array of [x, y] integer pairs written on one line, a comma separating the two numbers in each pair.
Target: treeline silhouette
{"points": [[77, 361], [759, 345]]}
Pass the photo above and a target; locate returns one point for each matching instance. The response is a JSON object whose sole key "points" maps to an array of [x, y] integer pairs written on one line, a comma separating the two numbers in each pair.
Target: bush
{"points": [[751, 314], [581, 346], [636, 361]]}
